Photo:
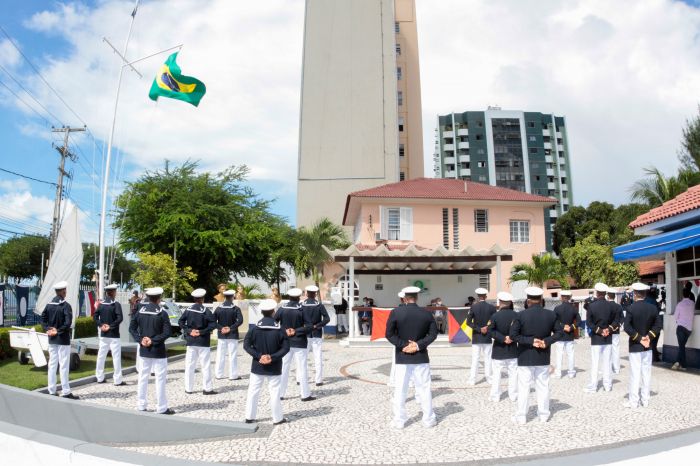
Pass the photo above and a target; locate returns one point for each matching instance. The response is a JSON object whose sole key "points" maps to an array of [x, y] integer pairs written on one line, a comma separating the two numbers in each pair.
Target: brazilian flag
{"points": [[170, 82]]}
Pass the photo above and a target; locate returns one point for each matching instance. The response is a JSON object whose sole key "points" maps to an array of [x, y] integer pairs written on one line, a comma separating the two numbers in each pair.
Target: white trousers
{"points": [[640, 378], [115, 346], [193, 355], [568, 348], [342, 322], [526, 375], [227, 348], [315, 345], [299, 356], [497, 366], [599, 352], [160, 367], [273, 385], [477, 350], [615, 355], [420, 374], [59, 357], [392, 372]]}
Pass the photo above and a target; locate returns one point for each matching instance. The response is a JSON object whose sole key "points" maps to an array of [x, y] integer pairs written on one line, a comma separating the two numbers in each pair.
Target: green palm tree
{"points": [[543, 268], [311, 241], [656, 188], [250, 291]]}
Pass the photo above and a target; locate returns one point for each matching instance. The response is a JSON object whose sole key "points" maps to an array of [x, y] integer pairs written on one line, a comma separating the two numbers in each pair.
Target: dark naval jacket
{"points": [[535, 322], [151, 321], [291, 316], [601, 315], [642, 319], [109, 312], [316, 315], [197, 317], [228, 315], [59, 315], [267, 337], [499, 329], [568, 315], [479, 315], [618, 318], [411, 322]]}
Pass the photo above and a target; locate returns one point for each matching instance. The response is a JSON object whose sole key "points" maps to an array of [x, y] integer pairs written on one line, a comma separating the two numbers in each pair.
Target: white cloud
{"points": [[14, 185], [9, 56]]}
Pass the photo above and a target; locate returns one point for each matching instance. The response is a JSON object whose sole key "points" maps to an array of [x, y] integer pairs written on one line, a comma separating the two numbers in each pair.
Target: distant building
{"points": [[525, 151]]}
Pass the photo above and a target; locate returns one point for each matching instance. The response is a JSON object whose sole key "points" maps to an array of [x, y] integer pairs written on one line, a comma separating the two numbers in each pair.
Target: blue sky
{"points": [[606, 66]]}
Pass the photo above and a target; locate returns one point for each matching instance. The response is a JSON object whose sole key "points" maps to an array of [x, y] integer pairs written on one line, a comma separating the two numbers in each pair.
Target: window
{"points": [[402, 176], [519, 231], [480, 124], [479, 137], [481, 220], [532, 139], [401, 124], [484, 281], [402, 150], [533, 150], [480, 151], [398, 73], [481, 164], [531, 124], [399, 98], [559, 141], [398, 49], [397, 27], [396, 223], [455, 228], [445, 228], [482, 179]]}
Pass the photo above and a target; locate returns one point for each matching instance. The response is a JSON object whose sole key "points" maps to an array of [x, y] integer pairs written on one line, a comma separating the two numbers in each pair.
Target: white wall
{"points": [[447, 287]]}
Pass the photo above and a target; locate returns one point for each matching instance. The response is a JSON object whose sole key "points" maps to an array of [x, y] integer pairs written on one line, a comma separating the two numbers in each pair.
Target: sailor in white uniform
{"points": [[56, 320], [315, 314], [228, 318], [197, 323], [108, 317]]}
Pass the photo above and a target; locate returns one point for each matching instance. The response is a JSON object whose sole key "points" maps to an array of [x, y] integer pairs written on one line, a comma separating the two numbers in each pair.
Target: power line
{"points": [[21, 234], [27, 177], [30, 94], [25, 103]]}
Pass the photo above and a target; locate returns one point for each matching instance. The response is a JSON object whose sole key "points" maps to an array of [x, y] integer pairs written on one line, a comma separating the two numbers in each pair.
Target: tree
{"points": [[689, 155], [656, 188], [159, 270], [20, 257], [250, 291], [122, 270], [217, 224], [591, 261], [543, 268], [312, 256]]}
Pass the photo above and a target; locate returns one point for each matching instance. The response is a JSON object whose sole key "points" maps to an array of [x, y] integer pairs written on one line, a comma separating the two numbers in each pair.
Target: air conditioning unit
{"points": [[377, 236]]}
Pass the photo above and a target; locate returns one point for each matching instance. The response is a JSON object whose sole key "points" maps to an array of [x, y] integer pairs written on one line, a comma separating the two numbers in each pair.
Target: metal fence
{"points": [[17, 304]]}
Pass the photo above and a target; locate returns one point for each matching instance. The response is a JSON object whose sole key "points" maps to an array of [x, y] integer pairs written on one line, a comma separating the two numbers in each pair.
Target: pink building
{"points": [[447, 236]]}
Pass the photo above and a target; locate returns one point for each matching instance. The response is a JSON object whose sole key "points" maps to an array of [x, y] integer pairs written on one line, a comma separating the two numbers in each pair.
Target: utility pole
{"points": [[64, 153]]}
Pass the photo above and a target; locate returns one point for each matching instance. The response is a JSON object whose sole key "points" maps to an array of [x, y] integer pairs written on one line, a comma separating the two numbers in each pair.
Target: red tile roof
{"points": [[389, 247], [689, 200], [441, 188], [651, 268]]}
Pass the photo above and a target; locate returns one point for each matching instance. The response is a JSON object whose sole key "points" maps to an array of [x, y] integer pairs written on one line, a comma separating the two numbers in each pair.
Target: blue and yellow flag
{"points": [[170, 82]]}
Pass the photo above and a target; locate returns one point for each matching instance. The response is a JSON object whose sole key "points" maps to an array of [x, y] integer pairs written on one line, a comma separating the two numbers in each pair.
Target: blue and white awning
{"points": [[658, 244]]}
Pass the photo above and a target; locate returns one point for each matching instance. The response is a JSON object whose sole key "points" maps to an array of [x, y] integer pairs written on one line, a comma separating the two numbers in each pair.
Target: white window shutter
{"points": [[406, 224], [383, 219]]}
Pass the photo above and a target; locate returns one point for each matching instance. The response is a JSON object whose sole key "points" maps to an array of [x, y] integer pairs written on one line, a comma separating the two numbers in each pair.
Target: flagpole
{"points": [[105, 180]]}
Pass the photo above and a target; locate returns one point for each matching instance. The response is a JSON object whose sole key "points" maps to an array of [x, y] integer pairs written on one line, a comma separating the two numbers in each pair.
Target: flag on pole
{"points": [[380, 316], [170, 82], [457, 329]]}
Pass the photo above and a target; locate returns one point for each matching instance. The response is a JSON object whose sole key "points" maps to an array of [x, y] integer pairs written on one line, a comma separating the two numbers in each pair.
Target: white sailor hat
{"points": [[199, 293], [504, 296], [481, 291], [294, 292], [267, 305], [640, 287], [113, 286], [62, 285], [312, 288], [601, 287], [155, 291], [411, 290], [229, 292], [565, 292], [611, 290], [402, 294], [534, 291]]}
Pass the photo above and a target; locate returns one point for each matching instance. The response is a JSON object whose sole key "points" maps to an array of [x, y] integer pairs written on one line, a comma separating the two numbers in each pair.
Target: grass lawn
{"points": [[30, 377]]}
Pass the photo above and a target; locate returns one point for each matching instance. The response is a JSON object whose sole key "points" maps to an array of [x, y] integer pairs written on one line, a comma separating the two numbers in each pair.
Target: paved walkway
{"points": [[350, 421]]}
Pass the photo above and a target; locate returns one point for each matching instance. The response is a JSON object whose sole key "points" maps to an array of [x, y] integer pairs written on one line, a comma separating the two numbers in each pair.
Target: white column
{"points": [[498, 274], [352, 322]]}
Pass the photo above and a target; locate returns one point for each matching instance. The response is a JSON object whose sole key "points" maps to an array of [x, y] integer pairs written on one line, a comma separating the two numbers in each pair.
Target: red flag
{"points": [[379, 318]]}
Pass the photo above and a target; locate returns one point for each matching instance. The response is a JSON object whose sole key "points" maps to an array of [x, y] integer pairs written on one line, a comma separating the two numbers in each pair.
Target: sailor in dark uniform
{"points": [[570, 321], [600, 319], [392, 373], [534, 329], [197, 323], [642, 324], [108, 316], [150, 326], [617, 324], [228, 318], [267, 343], [315, 313], [505, 350], [56, 320], [411, 329], [479, 318], [291, 318]]}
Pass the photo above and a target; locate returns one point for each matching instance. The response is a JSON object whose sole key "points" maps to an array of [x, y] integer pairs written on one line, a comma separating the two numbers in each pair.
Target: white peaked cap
{"points": [[60, 285], [601, 287], [199, 293], [534, 291], [229, 292], [113, 286], [294, 292], [155, 291], [504, 296], [640, 287], [267, 305], [565, 292], [612, 290], [402, 294], [312, 288], [411, 290], [481, 291]]}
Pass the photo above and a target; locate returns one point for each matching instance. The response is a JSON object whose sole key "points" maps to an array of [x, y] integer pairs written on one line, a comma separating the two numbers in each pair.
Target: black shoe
{"points": [[53, 394], [168, 412], [283, 421], [210, 392], [189, 393], [250, 421], [236, 378], [297, 383], [320, 384], [220, 378], [103, 381], [70, 396], [120, 384], [309, 398], [281, 398]]}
